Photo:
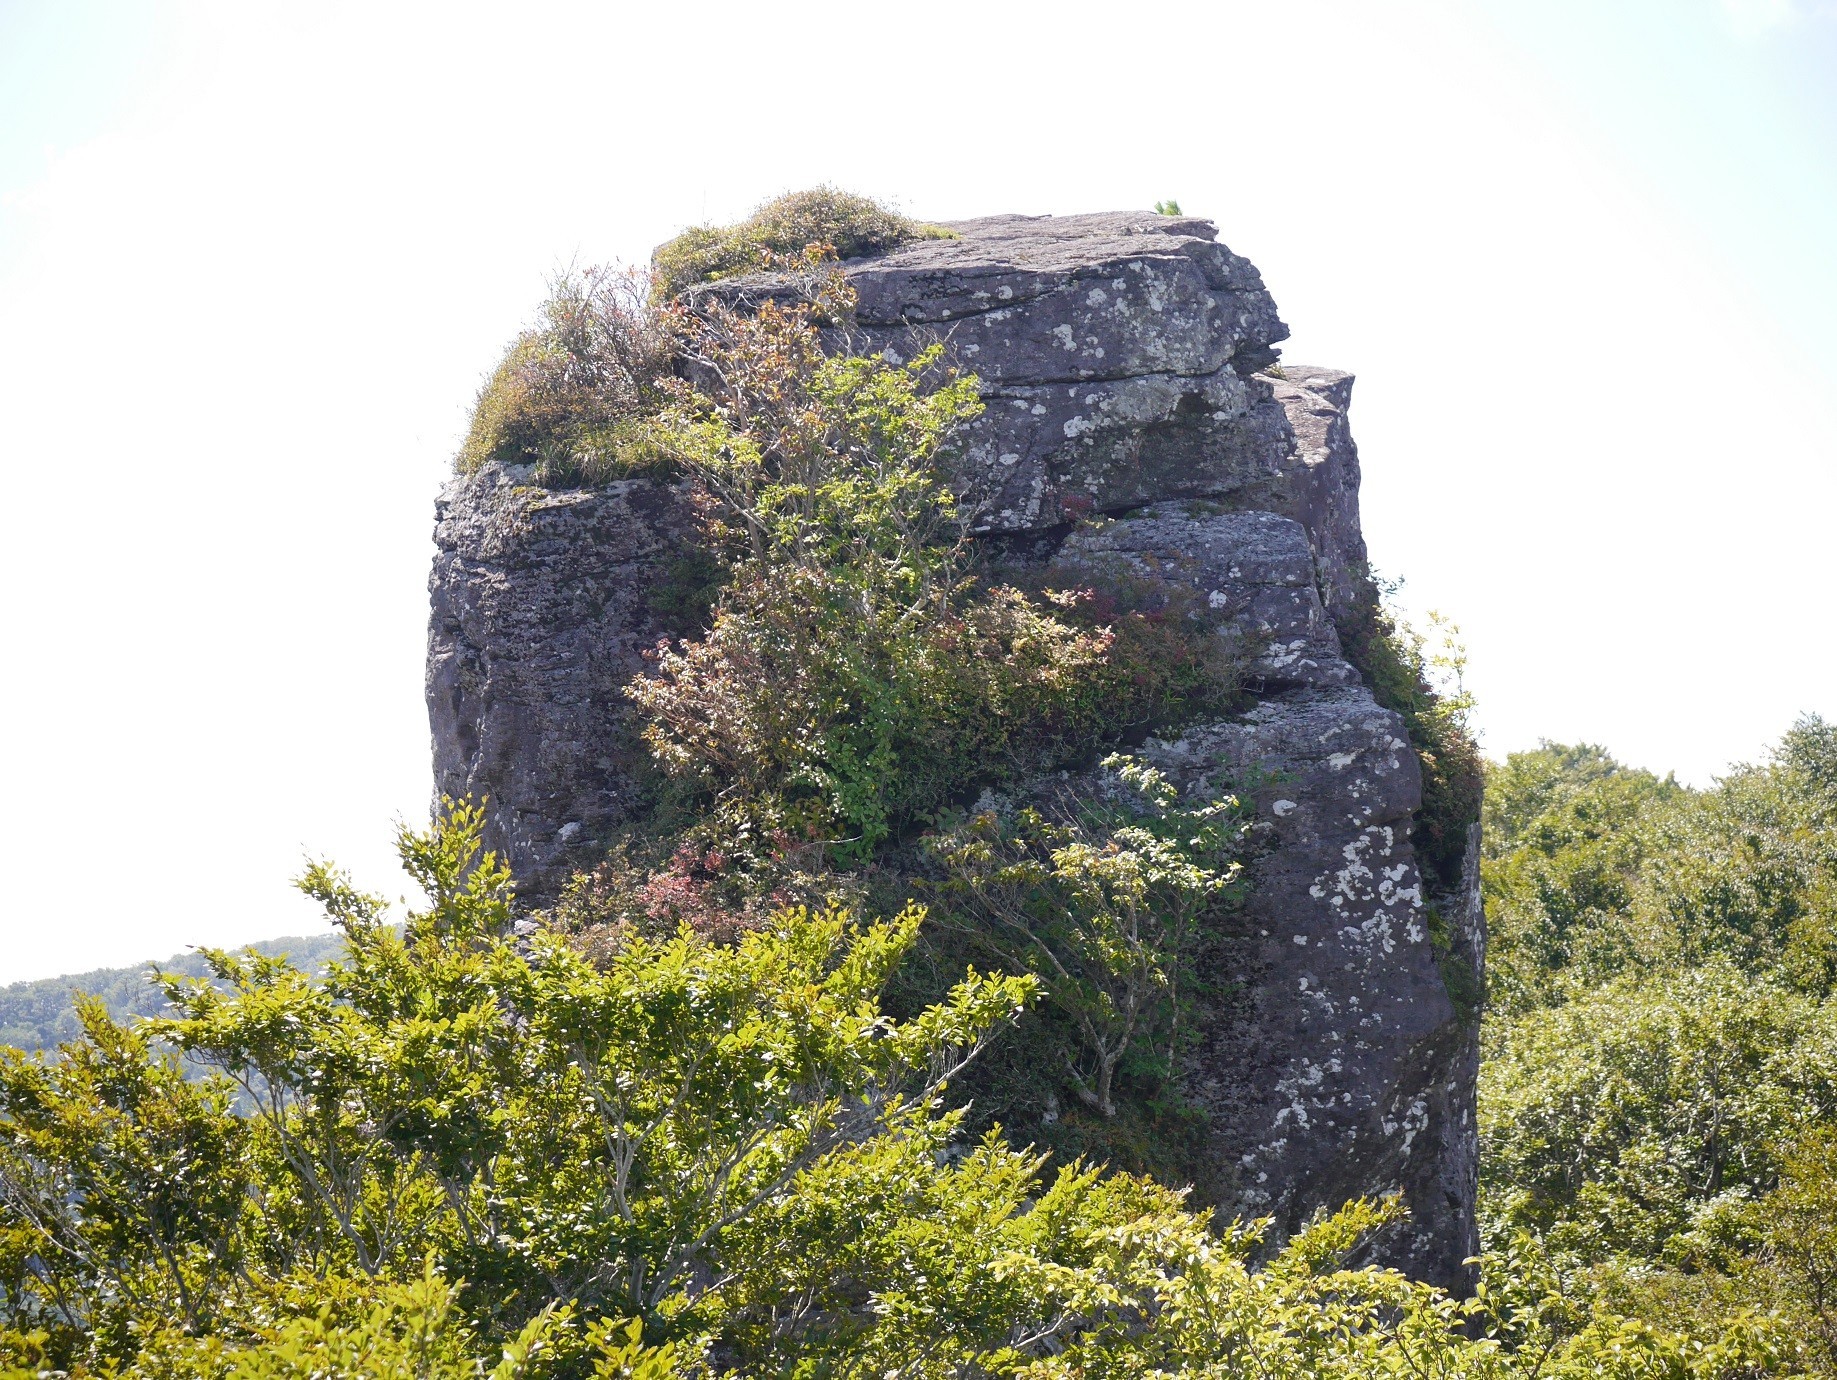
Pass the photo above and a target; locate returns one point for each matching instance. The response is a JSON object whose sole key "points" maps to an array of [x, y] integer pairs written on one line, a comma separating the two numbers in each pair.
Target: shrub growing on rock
{"points": [[853, 226], [856, 676], [1102, 906], [574, 394]]}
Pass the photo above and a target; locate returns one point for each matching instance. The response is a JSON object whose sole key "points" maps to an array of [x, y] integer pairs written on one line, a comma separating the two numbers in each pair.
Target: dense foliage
{"points": [[470, 1150], [1102, 904], [1659, 1093]]}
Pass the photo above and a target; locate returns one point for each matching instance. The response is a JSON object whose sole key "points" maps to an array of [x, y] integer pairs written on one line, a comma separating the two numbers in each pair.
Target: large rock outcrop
{"points": [[544, 603], [1128, 364]]}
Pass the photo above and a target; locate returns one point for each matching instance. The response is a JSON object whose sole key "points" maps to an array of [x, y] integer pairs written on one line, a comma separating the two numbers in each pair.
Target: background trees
{"points": [[1660, 1080]]}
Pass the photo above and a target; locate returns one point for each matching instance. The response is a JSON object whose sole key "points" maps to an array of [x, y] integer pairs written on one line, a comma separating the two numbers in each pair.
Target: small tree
{"points": [[1102, 908]]}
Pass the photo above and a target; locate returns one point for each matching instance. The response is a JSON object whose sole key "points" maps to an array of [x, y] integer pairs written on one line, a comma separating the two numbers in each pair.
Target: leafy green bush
{"points": [[574, 394], [692, 1159], [1798, 1259], [1593, 869], [1641, 1118], [414, 1330], [556, 1133], [1102, 907], [853, 226], [1660, 1087], [1564, 846], [1749, 872]]}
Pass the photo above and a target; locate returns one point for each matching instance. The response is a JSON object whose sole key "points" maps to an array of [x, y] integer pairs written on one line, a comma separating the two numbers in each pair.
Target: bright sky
{"points": [[254, 260]]}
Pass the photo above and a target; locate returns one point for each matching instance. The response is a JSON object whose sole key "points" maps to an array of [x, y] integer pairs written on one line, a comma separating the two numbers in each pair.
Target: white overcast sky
{"points": [[254, 260]]}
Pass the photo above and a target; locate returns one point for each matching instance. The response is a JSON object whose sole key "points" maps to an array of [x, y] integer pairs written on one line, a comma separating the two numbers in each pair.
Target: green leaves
{"points": [[1634, 1119], [1100, 903], [562, 1133], [121, 1183], [1594, 869], [1662, 1061], [464, 1152]]}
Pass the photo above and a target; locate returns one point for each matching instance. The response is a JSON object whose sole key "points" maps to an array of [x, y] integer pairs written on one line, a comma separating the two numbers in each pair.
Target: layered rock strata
{"points": [[1128, 367]]}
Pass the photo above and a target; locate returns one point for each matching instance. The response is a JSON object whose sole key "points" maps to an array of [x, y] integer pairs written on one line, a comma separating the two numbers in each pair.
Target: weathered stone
{"points": [[1044, 455], [1342, 1068], [1117, 355], [1051, 299], [544, 603], [1254, 570], [1320, 485]]}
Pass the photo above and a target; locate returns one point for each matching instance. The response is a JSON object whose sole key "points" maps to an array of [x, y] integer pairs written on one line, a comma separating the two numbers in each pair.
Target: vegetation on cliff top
{"points": [[576, 394], [853, 226]]}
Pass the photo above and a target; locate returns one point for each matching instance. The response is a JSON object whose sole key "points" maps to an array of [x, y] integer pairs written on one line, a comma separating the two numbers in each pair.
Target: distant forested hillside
{"points": [[38, 1015]]}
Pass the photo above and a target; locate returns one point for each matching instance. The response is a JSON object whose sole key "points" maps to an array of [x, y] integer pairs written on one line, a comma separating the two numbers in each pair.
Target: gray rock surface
{"points": [[1320, 486], [1126, 367], [544, 603], [1343, 1069], [1118, 355], [1255, 571], [1050, 299]]}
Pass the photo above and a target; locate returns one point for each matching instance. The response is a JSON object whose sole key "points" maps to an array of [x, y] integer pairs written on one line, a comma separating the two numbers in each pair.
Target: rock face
{"points": [[1256, 570], [1127, 363], [1321, 479], [544, 603], [1346, 1070]]}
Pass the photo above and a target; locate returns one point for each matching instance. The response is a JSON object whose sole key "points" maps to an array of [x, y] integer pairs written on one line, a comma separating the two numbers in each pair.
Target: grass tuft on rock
{"points": [[855, 226], [575, 394]]}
